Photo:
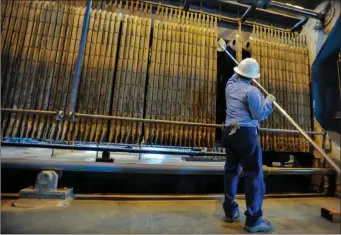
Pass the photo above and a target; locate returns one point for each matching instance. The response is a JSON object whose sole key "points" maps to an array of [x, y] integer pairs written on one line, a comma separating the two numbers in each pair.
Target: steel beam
{"points": [[222, 18], [111, 149], [247, 13], [296, 10], [35, 164], [299, 24]]}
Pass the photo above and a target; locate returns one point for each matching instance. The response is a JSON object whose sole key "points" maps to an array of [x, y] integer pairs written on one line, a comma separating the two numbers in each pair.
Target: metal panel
{"points": [[130, 79], [98, 74], [182, 79]]}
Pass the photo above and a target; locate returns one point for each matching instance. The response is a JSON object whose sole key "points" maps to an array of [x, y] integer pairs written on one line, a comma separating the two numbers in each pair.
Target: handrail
{"points": [[144, 120]]}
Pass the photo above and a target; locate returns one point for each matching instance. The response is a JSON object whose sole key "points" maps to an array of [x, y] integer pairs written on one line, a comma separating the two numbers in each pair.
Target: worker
{"points": [[245, 108]]}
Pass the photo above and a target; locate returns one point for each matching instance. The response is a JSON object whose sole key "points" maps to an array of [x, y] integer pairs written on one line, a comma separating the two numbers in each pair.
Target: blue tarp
{"points": [[325, 81]]}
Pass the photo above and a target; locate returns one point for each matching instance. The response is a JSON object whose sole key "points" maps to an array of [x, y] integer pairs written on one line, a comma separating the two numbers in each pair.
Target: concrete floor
{"points": [[300, 215]]}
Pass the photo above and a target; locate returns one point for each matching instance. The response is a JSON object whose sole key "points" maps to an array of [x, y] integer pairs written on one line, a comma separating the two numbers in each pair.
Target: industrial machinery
{"points": [[146, 78]]}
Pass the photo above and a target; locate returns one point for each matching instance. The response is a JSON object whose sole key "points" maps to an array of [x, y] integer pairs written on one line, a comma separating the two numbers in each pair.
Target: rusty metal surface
{"points": [[182, 78], [125, 72], [38, 64], [128, 95], [97, 77]]}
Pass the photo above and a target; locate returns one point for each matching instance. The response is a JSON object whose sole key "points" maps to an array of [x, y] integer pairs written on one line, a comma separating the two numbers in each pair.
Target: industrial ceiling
{"points": [[262, 11]]}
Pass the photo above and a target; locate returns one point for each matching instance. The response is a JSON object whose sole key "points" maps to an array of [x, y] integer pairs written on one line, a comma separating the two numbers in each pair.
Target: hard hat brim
{"points": [[252, 76]]}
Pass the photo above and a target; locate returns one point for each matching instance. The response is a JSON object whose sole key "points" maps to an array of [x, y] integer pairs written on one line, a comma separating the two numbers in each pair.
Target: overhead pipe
{"points": [[287, 116], [132, 119], [80, 166], [296, 10], [78, 66]]}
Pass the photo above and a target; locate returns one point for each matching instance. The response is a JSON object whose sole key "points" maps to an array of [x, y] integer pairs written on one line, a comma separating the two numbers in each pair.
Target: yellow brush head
{"points": [[221, 44]]}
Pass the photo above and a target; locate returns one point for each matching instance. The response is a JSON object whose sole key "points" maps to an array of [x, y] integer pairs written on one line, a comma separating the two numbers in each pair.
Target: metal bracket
{"points": [[60, 115], [319, 25], [46, 188], [46, 180], [105, 157], [70, 117], [140, 147], [66, 116]]}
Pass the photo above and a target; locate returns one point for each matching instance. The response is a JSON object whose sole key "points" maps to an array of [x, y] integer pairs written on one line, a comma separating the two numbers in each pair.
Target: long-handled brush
{"points": [[222, 44]]}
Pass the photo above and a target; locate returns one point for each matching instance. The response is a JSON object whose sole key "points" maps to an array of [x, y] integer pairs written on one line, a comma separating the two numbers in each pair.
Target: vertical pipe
{"points": [[79, 61]]}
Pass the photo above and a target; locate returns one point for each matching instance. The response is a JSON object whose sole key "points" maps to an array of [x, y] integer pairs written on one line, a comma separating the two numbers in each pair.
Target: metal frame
{"points": [[221, 18], [144, 120]]}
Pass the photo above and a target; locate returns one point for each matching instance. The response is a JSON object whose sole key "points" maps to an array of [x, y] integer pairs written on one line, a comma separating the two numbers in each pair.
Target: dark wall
{"points": [[325, 82], [224, 72]]}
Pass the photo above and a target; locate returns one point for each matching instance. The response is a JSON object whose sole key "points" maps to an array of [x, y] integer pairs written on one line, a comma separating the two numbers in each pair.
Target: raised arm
{"points": [[260, 107]]}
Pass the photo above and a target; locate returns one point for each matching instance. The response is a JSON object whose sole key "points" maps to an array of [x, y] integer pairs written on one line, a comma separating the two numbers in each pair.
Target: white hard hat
{"points": [[248, 68]]}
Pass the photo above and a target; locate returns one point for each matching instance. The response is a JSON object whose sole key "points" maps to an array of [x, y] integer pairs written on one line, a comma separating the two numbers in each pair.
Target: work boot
{"points": [[263, 227], [231, 220]]}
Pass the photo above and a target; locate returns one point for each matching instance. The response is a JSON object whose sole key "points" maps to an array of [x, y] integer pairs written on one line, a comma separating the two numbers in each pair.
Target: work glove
{"points": [[271, 97]]}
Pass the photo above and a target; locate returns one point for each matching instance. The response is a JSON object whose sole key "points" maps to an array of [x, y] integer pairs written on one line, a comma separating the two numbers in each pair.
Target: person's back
{"points": [[244, 103], [245, 107]]}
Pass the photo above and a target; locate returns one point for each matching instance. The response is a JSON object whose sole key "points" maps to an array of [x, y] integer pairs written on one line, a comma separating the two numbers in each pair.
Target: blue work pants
{"points": [[244, 151]]}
